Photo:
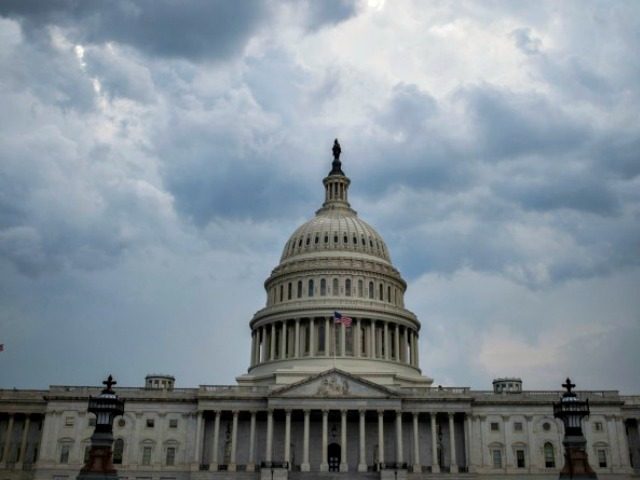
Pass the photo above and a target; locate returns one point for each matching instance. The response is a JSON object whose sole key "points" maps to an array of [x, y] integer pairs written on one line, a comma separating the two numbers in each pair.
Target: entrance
{"points": [[333, 452]]}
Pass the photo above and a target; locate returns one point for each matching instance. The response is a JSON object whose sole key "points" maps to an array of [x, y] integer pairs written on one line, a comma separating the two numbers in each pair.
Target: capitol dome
{"points": [[335, 265]]}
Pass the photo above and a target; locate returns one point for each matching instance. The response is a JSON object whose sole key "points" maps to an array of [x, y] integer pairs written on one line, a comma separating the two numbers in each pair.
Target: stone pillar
{"points": [[467, 441], [381, 436], [362, 461], [396, 343], [25, 435], [197, 456], [343, 339], [372, 347], [399, 448], [344, 465], [287, 437], [272, 341], [269, 450], [312, 337], [283, 340], [252, 354], [452, 444], [327, 338], [251, 466], [324, 466], [403, 344], [216, 435], [7, 441], [234, 441], [417, 466], [435, 466], [357, 341], [386, 340], [417, 350], [305, 467], [296, 346]]}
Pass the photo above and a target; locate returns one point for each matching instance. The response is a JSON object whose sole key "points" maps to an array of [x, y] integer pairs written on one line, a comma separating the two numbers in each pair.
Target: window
{"points": [[345, 239], [334, 288], [496, 455], [173, 423], [281, 292], [150, 422], [602, 458], [64, 453], [92, 421], [316, 240], [371, 290], [308, 240], [360, 288], [326, 239], [118, 450], [347, 287], [517, 426], [146, 456], [597, 426], [389, 294], [323, 287], [68, 421], [335, 239], [549, 456], [381, 292], [520, 458], [121, 422], [495, 427], [171, 456], [289, 291], [546, 426], [299, 288], [310, 292]]}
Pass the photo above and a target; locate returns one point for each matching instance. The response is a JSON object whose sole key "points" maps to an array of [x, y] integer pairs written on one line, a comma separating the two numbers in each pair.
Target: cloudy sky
{"points": [[156, 155]]}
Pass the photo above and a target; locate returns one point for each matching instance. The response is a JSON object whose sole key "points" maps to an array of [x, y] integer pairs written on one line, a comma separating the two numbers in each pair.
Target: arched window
{"points": [[310, 292], [308, 240], [371, 290], [326, 238], [334, 288], [549, 455], [317, 239], [289, 291], [323, 287], [381, 291], [281, 292], [299, 288], [389, 294], [360, 288], [118, 450], [347, 287], [346, 239]]}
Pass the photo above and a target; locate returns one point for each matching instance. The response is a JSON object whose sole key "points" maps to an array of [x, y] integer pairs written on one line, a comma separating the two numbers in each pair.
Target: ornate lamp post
{"points": [[106, 407], [571, 411]]}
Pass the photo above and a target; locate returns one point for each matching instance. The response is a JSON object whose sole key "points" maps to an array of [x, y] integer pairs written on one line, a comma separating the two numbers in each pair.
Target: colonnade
{"points": [[14, 454], [382, 457], [321, 337]]}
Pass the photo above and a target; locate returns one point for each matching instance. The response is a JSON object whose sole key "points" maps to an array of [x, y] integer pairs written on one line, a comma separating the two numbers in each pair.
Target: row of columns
{"points": [[377, 341], [6, 450], [324, 466]]}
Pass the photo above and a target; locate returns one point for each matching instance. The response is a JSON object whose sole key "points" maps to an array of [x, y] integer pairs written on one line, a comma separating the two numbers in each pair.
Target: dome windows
{"points": [[334, 289], [323, 287], [347, 287], [299, 289], [371, 290], [311, 288]]}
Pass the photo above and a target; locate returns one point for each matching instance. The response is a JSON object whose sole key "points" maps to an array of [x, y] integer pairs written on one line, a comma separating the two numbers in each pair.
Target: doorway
{"points": [[334, 456]]}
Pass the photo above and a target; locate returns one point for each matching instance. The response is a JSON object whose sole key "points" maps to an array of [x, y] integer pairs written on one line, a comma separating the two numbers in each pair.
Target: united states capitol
{"points": [[334, 389]]}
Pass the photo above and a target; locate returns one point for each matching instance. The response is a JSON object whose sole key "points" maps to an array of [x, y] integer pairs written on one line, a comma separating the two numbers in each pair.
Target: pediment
{"points": [[334, 383]]}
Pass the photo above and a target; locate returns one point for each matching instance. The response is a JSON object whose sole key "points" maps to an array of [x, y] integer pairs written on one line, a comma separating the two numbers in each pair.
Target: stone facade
{"points": [[321, 399]]}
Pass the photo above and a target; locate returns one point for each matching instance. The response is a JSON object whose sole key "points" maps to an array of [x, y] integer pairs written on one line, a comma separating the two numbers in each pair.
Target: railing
{"points": [[233, 389]]}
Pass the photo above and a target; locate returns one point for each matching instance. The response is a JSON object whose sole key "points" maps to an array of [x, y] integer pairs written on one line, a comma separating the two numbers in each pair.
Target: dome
{"points": [[335, 230]]}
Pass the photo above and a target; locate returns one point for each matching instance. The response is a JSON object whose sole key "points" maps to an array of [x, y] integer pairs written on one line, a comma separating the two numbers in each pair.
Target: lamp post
{"points": [[105, 407], [571, 411]]}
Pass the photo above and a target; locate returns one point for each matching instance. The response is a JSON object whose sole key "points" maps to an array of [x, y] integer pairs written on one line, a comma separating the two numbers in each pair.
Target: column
{"points": [[268, 450], [327, 339], [372, 349], [234, 441], [305, 467], [417, 467], [324, 466], [7, 441], [197, 457], [261, 346], [358, 338], [532, 449], [362, 461], [396, 343], [507, 442], [312, 337], [296, 345], [272, 341], [403, 344], [216, 434], [399, 449], [435, 466], [411, 347], [452, 444], [23, 443], [417, 350], [283, 340], [386, 340], [251, 466], [381, 436], [344, 465], [287, 437], [343, 340]]}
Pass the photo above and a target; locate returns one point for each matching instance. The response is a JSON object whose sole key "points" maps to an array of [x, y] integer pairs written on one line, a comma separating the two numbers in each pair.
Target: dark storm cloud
{"points": [[328, 12], [188, 29]]}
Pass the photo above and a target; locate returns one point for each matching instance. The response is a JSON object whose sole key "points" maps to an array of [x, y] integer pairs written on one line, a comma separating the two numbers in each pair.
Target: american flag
{"points": [[339, 318]]}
